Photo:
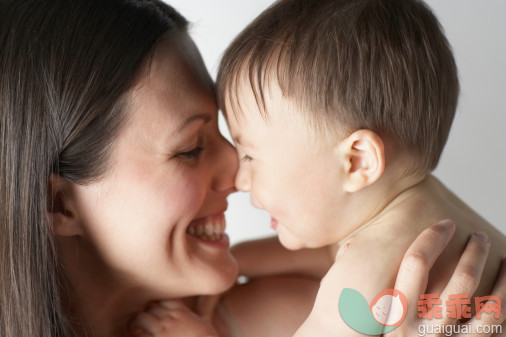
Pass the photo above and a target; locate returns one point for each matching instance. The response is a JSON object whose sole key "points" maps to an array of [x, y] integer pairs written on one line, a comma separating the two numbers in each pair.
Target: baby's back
{"points": [[428, 203]]}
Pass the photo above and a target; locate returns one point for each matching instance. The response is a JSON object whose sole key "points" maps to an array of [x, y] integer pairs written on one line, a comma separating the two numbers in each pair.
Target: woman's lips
{"points": [[274, 223]]}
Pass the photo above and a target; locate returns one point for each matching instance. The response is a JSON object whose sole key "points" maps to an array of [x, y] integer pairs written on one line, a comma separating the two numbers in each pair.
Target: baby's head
{"points": [[324, 97]]}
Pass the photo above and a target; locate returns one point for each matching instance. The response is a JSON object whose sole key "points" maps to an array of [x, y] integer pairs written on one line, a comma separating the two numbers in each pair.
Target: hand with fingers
{"points": [[170, 319], [412, 281]]}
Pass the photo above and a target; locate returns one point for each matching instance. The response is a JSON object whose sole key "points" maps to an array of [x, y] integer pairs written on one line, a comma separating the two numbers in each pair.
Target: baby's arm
{"points": [[266, 257]]}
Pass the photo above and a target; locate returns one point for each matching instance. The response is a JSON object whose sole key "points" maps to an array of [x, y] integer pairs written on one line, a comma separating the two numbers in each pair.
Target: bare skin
{"points": [[275, 306], [357, 190], [388, 236]]}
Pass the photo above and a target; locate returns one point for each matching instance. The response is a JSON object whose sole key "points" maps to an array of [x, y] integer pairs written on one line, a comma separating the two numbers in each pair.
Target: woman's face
{"points": [[156, 220]]}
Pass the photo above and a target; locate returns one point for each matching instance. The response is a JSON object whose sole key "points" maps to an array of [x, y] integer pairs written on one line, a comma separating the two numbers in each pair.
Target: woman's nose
{"points": [[226, 169]]}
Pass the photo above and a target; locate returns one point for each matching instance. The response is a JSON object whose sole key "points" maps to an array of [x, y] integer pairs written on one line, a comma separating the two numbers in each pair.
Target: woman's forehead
{"points": [[173, 87], [176, 82]]}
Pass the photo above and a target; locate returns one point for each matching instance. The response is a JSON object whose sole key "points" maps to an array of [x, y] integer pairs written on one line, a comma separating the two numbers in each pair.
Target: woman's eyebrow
{"points": [[204, 116]]}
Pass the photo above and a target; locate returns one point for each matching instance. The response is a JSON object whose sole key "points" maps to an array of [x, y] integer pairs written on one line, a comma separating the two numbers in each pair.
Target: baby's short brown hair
{"points": [[383, 65]]}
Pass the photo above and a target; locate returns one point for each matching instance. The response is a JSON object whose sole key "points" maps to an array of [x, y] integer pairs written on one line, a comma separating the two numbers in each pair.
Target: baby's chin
{"points": [[291, 242]]}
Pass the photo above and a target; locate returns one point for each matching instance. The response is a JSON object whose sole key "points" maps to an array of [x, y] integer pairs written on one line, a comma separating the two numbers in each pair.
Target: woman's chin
{"points": [[224, 280], [220, 278]]}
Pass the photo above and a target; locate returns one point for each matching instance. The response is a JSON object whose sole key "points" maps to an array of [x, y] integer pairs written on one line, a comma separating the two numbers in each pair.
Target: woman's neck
{"points": [[98, 303]]}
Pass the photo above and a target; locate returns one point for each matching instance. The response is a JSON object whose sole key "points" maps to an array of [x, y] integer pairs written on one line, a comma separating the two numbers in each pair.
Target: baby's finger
{"points": [[159, 311], [488, 322], [173, 305], [419, 258], [139, 333], [206, 305], [146, 322]]}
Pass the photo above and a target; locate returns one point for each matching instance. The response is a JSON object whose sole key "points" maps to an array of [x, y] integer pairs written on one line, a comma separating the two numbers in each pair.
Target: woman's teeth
{"points": [[209, 228]]}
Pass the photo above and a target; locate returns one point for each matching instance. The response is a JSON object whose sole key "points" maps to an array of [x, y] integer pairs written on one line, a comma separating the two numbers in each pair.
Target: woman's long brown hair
{"points": [[65, 69]]}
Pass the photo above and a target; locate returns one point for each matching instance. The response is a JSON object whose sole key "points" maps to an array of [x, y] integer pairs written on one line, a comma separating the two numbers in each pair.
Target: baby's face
{"points": [[289, 172]]}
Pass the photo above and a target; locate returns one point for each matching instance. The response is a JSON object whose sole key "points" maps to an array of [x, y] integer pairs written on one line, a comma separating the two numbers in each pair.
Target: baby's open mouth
{"points": [[210, 228]]}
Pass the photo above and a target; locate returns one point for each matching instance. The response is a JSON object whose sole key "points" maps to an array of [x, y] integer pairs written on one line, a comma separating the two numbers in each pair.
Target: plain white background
{"points": [[473, 163]]}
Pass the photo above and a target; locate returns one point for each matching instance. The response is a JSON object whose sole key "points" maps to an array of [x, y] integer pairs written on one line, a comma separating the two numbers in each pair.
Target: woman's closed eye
{"points": [[192, 154]]}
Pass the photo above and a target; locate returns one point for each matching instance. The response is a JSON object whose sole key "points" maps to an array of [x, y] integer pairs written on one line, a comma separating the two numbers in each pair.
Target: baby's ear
{"points": [[61, 210], [364, 159]]}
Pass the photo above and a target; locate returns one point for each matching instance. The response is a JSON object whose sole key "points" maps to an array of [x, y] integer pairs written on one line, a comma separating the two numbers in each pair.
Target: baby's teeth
{"points": [[209, 229]]}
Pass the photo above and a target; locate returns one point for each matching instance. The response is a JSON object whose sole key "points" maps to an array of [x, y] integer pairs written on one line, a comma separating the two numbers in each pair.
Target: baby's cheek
{"points": [[266, 194]]}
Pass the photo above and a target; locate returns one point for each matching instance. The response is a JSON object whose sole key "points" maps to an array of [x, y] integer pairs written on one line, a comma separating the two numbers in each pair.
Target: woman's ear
{"points": [[364, 159], [61, 212]]}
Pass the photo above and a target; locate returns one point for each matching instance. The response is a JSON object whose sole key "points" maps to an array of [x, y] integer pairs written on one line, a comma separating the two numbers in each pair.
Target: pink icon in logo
{"points": [[389, 307]]}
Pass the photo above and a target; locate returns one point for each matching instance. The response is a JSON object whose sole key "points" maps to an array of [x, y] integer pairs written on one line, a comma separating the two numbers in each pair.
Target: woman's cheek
{"points": [[185, 195]]}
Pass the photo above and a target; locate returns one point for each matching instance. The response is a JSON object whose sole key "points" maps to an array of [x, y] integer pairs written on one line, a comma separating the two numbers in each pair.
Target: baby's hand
{"points": [[170, 319]]}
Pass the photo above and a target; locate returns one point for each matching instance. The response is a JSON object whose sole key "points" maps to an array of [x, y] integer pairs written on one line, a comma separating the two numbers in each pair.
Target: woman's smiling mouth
{"points": [[210, 228]]}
